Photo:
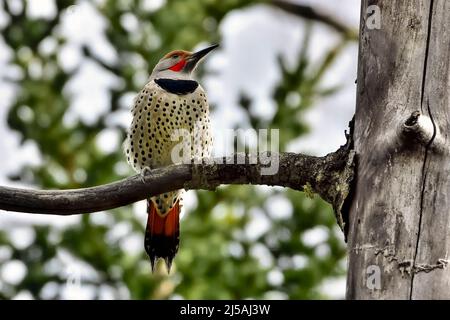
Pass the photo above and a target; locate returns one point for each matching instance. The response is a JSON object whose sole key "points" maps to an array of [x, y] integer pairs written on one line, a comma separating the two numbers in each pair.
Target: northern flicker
{"points": [[170, 101]]}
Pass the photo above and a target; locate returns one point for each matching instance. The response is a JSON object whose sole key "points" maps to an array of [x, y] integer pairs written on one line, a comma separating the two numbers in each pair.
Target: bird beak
{"points": [[193, 60]]}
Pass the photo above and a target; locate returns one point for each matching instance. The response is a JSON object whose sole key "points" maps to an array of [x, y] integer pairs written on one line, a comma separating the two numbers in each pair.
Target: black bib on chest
{"points": [[177, 86]]}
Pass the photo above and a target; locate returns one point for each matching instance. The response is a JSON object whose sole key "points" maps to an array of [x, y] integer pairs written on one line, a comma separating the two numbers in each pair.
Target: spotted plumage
{"points": [[157, 115], [170, 125]]}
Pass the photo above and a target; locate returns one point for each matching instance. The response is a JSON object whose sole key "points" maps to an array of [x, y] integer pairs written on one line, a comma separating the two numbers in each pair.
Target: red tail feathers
{"points": [[162, 235]]}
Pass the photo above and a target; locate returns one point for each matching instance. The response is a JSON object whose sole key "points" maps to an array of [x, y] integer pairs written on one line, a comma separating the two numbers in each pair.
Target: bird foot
{"points": [[145, 172]]}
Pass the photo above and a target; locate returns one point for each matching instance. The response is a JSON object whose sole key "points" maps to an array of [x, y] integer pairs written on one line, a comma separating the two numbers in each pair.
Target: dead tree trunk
{"points": [[399, 227]]}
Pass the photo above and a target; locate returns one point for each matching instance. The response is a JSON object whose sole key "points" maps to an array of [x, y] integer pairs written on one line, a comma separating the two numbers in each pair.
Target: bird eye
{"points": [[175, 56]]}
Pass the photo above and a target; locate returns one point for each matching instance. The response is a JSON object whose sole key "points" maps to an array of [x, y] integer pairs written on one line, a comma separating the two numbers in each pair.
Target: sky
{"points": [[252, 39]]}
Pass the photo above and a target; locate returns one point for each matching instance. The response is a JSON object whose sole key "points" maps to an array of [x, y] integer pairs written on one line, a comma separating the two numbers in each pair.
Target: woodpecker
{"points": [[171, 100]]}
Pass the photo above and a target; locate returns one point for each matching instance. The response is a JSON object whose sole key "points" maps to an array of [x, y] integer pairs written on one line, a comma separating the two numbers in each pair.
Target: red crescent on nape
{"points": [[179, 66]]}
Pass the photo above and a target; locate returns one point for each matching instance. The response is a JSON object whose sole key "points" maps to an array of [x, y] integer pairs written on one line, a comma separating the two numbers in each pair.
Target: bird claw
{"points": [[146, 171]]}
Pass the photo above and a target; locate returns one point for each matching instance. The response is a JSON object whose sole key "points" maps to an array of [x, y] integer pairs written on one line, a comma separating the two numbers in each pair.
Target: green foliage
{"points": [[217, 259]]}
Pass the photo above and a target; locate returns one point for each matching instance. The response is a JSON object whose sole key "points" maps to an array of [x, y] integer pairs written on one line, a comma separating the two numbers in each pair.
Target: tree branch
{"points": [[329, 176], [310, 13]]}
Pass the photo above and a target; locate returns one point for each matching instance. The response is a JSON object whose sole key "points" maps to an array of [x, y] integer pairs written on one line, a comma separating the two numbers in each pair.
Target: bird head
{"points": [[179, 64]]}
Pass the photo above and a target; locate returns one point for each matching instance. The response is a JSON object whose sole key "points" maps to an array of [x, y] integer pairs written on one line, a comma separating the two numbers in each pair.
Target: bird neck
{"points": [[170, 74]]}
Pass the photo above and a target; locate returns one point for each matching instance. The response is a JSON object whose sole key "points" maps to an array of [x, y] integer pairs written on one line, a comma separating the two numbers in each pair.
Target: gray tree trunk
{"points": [[399, 220]]}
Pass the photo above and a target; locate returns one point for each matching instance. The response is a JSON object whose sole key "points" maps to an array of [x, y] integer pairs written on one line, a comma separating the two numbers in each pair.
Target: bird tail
{"points": [[162, 235]]}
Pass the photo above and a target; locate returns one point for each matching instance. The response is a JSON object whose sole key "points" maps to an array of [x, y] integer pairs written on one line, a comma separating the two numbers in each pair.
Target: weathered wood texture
{"points": [[329, 176], [400, 214]]}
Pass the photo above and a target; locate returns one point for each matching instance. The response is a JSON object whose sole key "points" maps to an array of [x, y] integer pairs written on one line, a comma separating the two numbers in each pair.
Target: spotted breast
{"points": [[170, 123]]}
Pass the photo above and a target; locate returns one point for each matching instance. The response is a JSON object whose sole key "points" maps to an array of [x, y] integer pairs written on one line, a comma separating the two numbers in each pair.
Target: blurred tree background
{"points": [[220, 256]]}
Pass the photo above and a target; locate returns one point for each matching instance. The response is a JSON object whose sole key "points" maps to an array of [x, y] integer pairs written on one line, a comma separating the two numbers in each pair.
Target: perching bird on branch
{"points": [[171, 106]]}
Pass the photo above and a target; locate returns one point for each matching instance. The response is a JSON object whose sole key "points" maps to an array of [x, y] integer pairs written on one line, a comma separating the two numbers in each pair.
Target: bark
{"points": [[329, 176], [399, 216]]}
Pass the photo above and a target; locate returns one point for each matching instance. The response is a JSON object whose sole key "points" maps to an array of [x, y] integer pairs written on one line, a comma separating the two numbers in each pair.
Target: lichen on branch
{"points": [[329, 176]]}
